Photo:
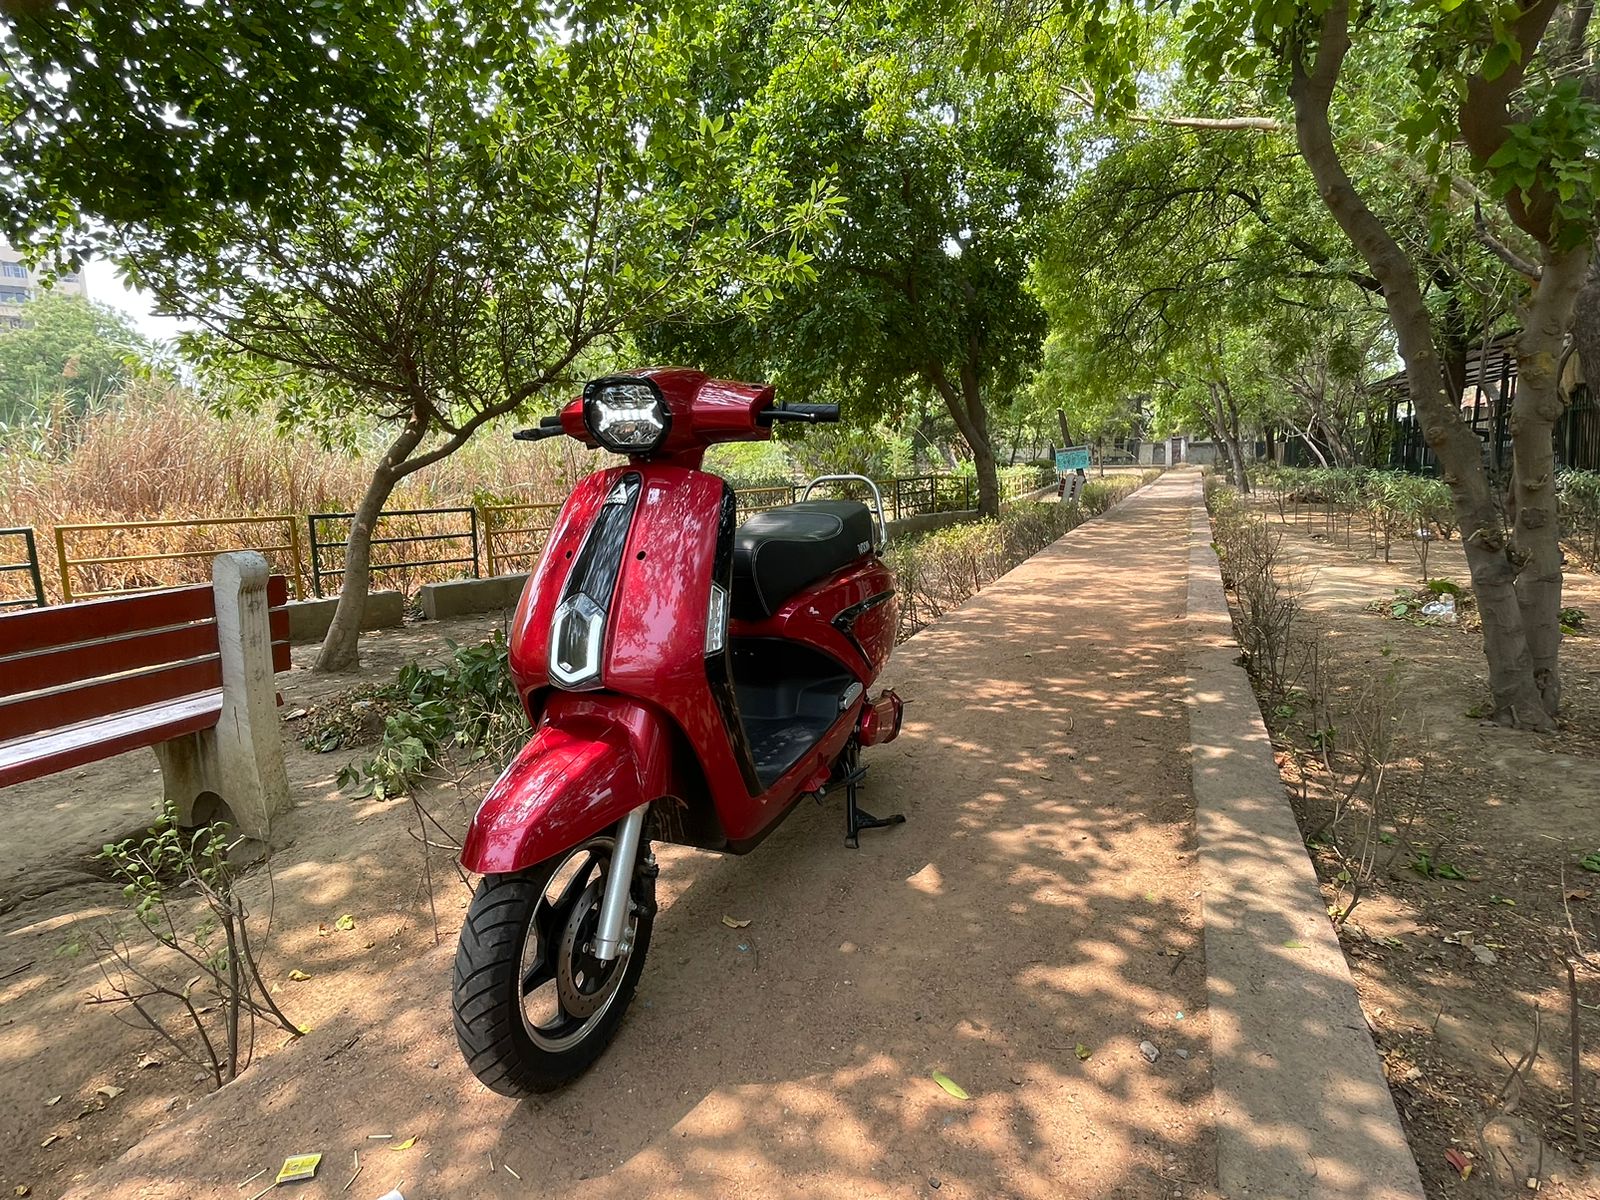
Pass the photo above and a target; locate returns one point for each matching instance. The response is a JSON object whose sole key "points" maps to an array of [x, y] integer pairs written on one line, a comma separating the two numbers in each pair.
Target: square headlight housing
{"points": [[627, 414]]}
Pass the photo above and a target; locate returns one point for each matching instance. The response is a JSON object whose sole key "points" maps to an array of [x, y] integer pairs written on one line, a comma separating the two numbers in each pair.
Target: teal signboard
{"points": [[1073, 458]]}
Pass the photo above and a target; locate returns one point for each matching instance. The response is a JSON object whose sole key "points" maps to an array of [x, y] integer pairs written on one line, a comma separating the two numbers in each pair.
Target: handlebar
{"points": [[548, 427], [817, 414]]}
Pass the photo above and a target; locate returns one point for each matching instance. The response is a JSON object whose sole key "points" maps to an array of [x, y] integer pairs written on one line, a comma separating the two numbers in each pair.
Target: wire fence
{"points": [[410, 547]]}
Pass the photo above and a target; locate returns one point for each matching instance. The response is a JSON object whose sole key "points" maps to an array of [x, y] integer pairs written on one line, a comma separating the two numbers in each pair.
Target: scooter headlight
{"points": [[627, 414]]}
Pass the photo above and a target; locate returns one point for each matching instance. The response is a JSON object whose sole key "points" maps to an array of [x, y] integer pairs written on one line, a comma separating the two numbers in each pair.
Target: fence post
{"points": [[473, 512], [33, 568], [297, 554], [488, 543], [316, 569], [61, 559]]}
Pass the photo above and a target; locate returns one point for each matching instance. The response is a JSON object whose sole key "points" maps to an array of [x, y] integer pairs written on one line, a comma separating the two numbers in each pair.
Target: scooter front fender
{"points": [[592, 760]]}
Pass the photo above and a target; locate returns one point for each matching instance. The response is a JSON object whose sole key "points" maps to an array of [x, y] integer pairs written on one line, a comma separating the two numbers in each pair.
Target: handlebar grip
{"points": [[820, 413], [539, 434], [812, 414]]}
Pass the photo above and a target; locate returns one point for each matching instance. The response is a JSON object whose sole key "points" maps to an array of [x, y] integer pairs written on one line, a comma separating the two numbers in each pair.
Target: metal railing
{"points": [[29, 563], [514, 534], [760, 499], [418, 544], [385, 565], [132, 568]]}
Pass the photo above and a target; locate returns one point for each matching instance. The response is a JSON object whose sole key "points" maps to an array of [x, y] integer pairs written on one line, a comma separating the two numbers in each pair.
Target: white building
{"points": [[19, 284]]}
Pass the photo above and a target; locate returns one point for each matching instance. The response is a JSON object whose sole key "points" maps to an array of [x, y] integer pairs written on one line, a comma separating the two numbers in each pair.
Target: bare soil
{"points": [[1460, 977], [1032, 924]]}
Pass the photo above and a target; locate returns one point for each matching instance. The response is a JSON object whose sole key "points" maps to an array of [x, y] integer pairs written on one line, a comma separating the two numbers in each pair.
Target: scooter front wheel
{"points": [[533, 1006]]}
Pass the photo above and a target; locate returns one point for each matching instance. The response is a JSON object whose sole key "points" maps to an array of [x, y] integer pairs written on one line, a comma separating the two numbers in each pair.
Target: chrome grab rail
{"points": [[877, 500]]}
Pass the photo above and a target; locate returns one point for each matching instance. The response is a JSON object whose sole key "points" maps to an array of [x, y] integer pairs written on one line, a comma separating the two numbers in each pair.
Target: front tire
{"points": [[533, 1009]]}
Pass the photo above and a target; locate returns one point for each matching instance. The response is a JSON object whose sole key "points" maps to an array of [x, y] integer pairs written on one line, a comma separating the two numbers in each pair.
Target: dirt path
{"points": [[1043, 897]]}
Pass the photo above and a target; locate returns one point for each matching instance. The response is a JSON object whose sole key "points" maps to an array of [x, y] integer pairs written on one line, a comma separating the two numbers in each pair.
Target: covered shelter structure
{"points": [[1489, 389]]}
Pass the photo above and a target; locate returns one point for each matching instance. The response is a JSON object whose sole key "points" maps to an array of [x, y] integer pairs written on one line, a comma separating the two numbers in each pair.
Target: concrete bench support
{"points": [[239, 762]]}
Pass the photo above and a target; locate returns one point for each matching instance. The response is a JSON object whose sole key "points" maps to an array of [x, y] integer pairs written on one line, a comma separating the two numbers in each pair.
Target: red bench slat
{"points": [[104, 697], [69, 624], [113, 656], [86, 681], [62, 749]]}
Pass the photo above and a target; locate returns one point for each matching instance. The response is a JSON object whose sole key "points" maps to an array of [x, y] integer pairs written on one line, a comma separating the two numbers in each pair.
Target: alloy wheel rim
{"points": [[556, 965]]}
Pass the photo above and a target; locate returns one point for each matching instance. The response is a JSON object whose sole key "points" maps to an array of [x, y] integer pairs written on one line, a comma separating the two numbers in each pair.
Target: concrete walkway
{"points": [[1303, 1110], [1036, 920]]}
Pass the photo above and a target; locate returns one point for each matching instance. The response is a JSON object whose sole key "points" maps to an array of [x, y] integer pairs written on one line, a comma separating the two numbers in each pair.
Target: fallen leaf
{"points": [[297, 1167], [322, 929], [345, 923], [1485, 955], [146, 1061], [405, 1145], [52, 1102], [1082, 1052], [109, 1092], [1459, 1161], [298, 976], [1577, 894], [733, 924], [23, 1190], [950, 1085], [54, 1137], [1294, 944]]}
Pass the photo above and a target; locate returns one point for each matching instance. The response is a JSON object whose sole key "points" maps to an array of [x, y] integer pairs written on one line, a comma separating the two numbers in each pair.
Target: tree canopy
{"points": [[1226, 215], [66, 348], [146, 125]]}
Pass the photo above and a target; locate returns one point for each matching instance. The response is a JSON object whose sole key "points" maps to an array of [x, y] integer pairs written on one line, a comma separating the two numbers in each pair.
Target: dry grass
{"points": [[162, 455]]}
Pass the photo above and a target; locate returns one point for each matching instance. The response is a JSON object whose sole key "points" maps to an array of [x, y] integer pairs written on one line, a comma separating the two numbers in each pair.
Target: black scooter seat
{"points": [[779, 552]]}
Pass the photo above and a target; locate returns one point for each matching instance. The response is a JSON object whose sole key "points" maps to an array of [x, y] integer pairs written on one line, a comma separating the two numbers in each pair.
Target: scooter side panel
{"points": [[591, 761], [656, 646]]}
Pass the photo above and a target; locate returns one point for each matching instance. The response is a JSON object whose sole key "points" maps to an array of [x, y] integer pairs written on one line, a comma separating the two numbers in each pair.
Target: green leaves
{"points": [[469, 702]]}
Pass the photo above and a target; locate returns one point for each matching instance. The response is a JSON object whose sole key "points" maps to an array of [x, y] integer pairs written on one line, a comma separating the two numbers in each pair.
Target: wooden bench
{"points": [[187, 671]]}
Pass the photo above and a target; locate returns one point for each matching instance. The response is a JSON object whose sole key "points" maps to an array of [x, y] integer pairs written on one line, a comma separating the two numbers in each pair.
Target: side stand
{"points": [[855, 818]]}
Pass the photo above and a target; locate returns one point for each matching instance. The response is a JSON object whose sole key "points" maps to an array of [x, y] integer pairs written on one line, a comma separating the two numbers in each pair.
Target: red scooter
{"points": [[688, 680]]}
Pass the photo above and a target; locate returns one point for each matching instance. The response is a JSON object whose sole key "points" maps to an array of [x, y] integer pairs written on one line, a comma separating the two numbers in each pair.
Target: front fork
{"points": [[614, 904]]}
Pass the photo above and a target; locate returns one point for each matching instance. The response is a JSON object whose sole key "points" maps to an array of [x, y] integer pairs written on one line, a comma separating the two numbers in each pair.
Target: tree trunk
{"points": [[1236, 440], [342, 645], [1535, 411], [1228, 435], [1516, 698], [1066, 437], [966, 409]]}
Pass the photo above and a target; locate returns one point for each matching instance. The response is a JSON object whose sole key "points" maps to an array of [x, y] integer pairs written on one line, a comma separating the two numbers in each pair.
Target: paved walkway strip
{"points": [[1303, 1111]]}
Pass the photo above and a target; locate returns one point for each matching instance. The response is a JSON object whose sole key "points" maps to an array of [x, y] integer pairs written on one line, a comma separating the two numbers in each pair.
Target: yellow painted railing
{"points": [[129, 571]]}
